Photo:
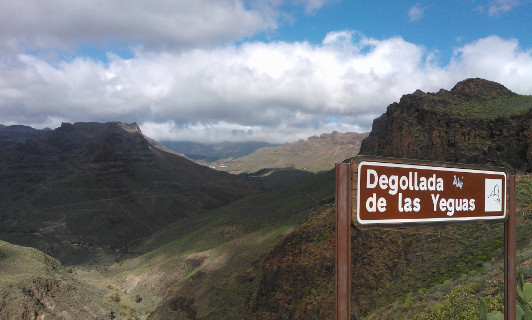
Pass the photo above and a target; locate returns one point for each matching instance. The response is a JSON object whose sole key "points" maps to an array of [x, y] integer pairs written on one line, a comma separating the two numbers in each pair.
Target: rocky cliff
{"points": [[476, 122]]}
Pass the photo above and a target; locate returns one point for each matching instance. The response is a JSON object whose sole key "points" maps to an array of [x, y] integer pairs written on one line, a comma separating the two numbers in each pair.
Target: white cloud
{"points": [[497, 7], [254, 91], [311, 6], [59, 24], [416, 12], [495, 59]]}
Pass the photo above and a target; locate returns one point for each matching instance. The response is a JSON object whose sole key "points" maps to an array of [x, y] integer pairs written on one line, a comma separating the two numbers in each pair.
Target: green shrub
{"points": [[115, 298], [459, 304]]}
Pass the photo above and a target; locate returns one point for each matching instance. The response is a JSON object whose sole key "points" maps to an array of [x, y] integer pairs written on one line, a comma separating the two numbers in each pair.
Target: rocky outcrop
{"points": [[477, 122]]}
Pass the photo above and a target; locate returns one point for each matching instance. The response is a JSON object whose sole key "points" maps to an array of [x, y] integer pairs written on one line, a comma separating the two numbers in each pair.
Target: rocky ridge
{"points": [[476, 122]]}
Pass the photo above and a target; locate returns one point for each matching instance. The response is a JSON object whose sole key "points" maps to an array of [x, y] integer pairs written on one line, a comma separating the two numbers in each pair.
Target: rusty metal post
{"points": [[510, 256], [343, 241]]}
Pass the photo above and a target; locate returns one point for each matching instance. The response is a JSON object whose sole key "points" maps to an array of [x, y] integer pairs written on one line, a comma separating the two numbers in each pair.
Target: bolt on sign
{"points": [[390, 194]]}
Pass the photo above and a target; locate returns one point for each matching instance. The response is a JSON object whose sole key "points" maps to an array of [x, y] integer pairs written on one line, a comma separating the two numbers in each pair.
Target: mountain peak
{"points": [[129, 127], [477, 87]]}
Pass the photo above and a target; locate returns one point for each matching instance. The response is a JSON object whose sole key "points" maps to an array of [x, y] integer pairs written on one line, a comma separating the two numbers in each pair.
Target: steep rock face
{"points": [[477, 122], [85, 187]]}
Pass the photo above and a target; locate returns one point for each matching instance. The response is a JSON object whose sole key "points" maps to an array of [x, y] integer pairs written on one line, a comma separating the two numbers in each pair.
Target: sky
{"points": [[254, 70]]}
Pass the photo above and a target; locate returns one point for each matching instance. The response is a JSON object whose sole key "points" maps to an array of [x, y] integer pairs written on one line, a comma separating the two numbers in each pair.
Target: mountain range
{"points": [[87, 187], [100, 221]]}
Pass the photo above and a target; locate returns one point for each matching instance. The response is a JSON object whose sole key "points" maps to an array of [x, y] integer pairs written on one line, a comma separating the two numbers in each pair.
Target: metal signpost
{"points": [[343, 241], [383, 192]]}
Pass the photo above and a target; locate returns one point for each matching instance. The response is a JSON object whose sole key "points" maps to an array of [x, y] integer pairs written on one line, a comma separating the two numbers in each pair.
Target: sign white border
{"points": [[427, 220]]}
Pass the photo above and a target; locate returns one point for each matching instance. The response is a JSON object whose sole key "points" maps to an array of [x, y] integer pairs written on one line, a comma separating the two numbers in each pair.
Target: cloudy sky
{"points": [[271, 70]]}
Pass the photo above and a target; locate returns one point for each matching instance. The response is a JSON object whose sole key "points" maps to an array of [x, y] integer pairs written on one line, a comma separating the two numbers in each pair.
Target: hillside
{"points": [[222, 260], [317, 153], [413, 273], [36, 286], [396, 274], [207, 266], [141, 230], [89, 188]]}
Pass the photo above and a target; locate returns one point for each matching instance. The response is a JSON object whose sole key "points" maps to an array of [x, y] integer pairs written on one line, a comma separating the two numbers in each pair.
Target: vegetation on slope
{"points": [[478, 99], [206, 266], [410, 273]]}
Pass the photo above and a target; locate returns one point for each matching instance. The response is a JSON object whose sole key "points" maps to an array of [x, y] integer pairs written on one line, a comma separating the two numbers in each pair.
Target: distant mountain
{"points": [[212, 152], [10, 135], [317, 153], [87, 187]]}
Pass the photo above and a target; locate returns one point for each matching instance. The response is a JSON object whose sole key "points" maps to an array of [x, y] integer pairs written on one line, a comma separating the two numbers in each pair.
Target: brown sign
{"points": [[397, 193]]}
